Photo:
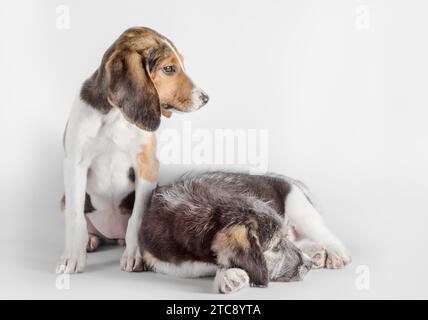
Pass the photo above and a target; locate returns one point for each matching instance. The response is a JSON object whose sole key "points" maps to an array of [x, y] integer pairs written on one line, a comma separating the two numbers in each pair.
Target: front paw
{"points": [[71, 262], [337, 256], [231, 280], [131, 260], [73, 259]]}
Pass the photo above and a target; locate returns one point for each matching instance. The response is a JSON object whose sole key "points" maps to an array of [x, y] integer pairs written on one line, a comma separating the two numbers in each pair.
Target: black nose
{"points": [[307, 264], [204, 98]]}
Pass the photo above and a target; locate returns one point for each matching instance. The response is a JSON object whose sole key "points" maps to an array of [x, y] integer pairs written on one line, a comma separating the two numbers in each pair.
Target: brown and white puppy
{"points": [[235, 226], [110, 164]]}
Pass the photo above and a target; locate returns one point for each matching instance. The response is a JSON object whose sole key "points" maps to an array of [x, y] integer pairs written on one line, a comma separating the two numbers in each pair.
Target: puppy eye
{"points": [[169, 69], [277, 248]]}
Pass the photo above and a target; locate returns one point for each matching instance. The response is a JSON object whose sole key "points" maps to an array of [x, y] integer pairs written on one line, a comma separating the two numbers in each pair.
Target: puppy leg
{"points": [[231, 280], [95, 238], [93, 243], [146, 166], [308, 223], [73, 258], [132, 260]]}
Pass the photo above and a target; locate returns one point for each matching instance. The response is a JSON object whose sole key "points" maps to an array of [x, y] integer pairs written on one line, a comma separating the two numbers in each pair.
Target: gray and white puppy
{"points": [[230, 225]]}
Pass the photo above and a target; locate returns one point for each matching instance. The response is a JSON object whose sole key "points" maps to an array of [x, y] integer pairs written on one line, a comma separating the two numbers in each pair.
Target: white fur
{"points": [[231, 280], [196, 98], [186, 269], [99, 150], [309, 223]]}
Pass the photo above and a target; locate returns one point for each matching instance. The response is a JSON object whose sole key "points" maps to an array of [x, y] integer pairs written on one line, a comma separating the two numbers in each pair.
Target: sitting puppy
{"points": [[234, 226]]}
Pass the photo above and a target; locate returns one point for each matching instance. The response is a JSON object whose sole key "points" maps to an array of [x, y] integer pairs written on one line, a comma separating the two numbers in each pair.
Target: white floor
{"points": [[383, 223], [27, 271]]}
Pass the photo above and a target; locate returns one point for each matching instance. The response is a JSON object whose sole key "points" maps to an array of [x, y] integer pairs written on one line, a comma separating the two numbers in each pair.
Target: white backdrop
{"points": [[338, 86]]}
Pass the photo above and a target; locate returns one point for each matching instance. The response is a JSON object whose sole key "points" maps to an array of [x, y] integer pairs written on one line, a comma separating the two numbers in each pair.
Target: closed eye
{"points": [[277, 248], [169, 70]]}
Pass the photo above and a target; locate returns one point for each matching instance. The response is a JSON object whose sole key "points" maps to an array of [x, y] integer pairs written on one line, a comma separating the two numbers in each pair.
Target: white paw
{"points": [[131, 260], [74, 257], [231, 280], [71, 263], [314, 251], [337, 256], [318, 256]]}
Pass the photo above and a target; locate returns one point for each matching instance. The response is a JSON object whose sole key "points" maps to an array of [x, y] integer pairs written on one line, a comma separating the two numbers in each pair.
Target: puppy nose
{"points": [[204, 97], [307, 263]]}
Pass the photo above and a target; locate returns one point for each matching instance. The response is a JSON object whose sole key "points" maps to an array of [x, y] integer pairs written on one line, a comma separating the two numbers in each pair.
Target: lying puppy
{"points": [[234, 226]]}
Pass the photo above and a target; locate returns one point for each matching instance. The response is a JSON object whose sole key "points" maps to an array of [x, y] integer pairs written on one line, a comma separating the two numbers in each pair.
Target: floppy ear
{"points": [[131, 90], [238, 246], [252, 260]]}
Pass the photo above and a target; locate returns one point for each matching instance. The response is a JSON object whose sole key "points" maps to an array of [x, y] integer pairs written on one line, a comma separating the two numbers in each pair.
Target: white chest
{"points": [[108, 145], [113, 150], [116, 133]]}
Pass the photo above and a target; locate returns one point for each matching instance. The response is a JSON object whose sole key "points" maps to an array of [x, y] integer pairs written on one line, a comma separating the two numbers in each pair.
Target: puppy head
{"points": [[142, 74], [177, 92], [258, 244], [285, 262], [260, 247]]}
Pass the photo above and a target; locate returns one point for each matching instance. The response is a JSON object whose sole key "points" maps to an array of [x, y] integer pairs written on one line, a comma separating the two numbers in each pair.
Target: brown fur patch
{"points": [[176, 89], [232, 237], [166, 113], [148, 165], [148, 258], [131, 89]]}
